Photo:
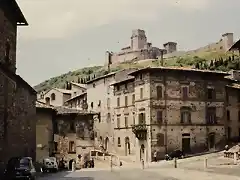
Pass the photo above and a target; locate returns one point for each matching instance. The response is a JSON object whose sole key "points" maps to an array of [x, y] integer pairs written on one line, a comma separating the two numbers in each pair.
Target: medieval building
{"points": [[17, 97]]}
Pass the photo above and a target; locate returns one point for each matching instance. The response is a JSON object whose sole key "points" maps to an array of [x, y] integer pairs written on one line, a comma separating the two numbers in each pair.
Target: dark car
{"points": [[20, 168], [174, 154]]}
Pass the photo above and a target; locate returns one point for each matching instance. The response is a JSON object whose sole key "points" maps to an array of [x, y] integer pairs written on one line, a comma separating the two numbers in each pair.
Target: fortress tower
{"points": [[227, 40], [170, 47], [138, 39]]}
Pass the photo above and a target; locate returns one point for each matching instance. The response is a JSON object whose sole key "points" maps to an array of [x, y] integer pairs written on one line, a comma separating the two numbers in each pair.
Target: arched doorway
{"points": [[127, 146], [211, 140], [142, 151], [70, 164], [106, 143]]}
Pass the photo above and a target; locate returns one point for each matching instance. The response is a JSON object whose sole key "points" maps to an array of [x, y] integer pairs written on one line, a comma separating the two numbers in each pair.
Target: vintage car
{"points": [[20, 168]]}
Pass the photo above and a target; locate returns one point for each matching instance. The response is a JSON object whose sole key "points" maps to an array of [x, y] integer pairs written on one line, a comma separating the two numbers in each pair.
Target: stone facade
{"points": [[44, 131], [17, 98], [173, 104], [139, 49], [78, 102], [233, 105], [73, 134], [100, 99], [58, 97]]}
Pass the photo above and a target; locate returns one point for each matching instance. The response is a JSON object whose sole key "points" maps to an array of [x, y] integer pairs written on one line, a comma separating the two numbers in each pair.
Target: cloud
{"points": [[62, 18]]}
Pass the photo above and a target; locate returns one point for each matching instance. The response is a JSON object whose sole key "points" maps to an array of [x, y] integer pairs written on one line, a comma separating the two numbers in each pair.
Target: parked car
{"points": [[50, 164], [174, 154], [20, 168]]}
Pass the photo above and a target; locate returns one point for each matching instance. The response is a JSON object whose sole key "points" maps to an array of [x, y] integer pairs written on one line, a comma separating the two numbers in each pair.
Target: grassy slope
{"points": [[185, 60]]}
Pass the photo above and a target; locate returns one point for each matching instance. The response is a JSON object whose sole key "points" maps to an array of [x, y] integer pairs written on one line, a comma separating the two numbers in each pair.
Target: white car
{"points": [[50, 164]]}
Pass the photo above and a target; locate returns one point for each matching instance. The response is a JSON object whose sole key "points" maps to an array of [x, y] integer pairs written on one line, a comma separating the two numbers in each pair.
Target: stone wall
{"points": [[8, 31], [18, 118]]}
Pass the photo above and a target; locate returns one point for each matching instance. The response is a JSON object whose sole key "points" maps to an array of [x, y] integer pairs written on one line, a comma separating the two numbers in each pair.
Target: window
{"points": [[75, 93], [99, 103], [185, 116], [108, 102], [210, 93], [141, 93], [118, 101], [126, 87], [108, 117], [47, 99], [118, 122], [133, 118], [228, 115], [119, 142], [126, 101], [72, 146], [184, 92], [91, 104], [118, 87], [94, 85], [211, 115], [53, 96], [141, 76], [141, 118], [72, 127], [159, 92], [160, 139], [133, 98], [126, 121], [159, 116]]}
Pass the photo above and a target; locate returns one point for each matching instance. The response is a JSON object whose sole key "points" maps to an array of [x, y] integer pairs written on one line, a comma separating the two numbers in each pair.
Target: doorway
{"points": [[127, 146], [106, 144], [142, 151], [186, 143], [70, 164], [211, 140]]}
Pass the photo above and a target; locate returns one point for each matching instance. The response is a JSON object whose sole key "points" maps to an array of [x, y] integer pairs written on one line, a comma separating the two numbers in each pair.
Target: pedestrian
{"points": [[92, 163], [155, 156]]}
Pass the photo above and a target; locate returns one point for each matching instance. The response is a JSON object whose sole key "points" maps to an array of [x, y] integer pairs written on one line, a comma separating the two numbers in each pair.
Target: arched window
{"points": [[47, 99], [53, 96]]}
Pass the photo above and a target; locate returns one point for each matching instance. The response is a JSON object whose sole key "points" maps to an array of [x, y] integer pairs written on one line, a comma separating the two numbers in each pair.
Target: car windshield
{"points": [[24, 162]]}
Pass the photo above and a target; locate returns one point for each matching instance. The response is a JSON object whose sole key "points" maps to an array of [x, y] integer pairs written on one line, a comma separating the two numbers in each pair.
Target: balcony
{"points": [[140, 131]]}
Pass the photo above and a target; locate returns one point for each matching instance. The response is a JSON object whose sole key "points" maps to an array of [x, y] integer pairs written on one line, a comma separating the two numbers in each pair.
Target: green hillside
{"points": [[204, 60]]}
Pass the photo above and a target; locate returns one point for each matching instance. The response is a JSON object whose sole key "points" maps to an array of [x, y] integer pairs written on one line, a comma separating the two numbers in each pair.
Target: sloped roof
{"points": [[64, 91], [79, 85], [40, 104], [61, 110], [76, 96]]}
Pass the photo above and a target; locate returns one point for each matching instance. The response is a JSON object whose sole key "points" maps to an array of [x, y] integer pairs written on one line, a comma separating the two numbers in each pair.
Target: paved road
{"points": [[188, 169], [126, 174]]}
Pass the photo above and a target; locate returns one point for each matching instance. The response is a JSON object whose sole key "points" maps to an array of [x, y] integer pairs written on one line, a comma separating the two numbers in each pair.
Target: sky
{"points": [[66, 35]]}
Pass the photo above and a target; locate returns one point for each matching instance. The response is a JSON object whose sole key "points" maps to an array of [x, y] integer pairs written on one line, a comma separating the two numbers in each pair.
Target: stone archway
{"points": [[106, 144], [127, 146], [211, 140], [142, 152]]}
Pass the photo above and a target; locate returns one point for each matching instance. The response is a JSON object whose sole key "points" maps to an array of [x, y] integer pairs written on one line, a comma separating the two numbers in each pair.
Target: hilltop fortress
{"points": [[141, 49]]}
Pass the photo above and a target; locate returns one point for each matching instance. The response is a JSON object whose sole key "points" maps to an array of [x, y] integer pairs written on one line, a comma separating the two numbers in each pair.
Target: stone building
{"points": [[100, 100], [57, 96], [139, 49], [44, 130], [233, 105], [164, 109], [77, 102], [73, 134], [17, 97]]}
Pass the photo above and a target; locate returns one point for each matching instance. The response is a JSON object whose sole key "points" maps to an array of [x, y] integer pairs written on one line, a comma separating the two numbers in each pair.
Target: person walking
{"points": [[155, 156]]}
